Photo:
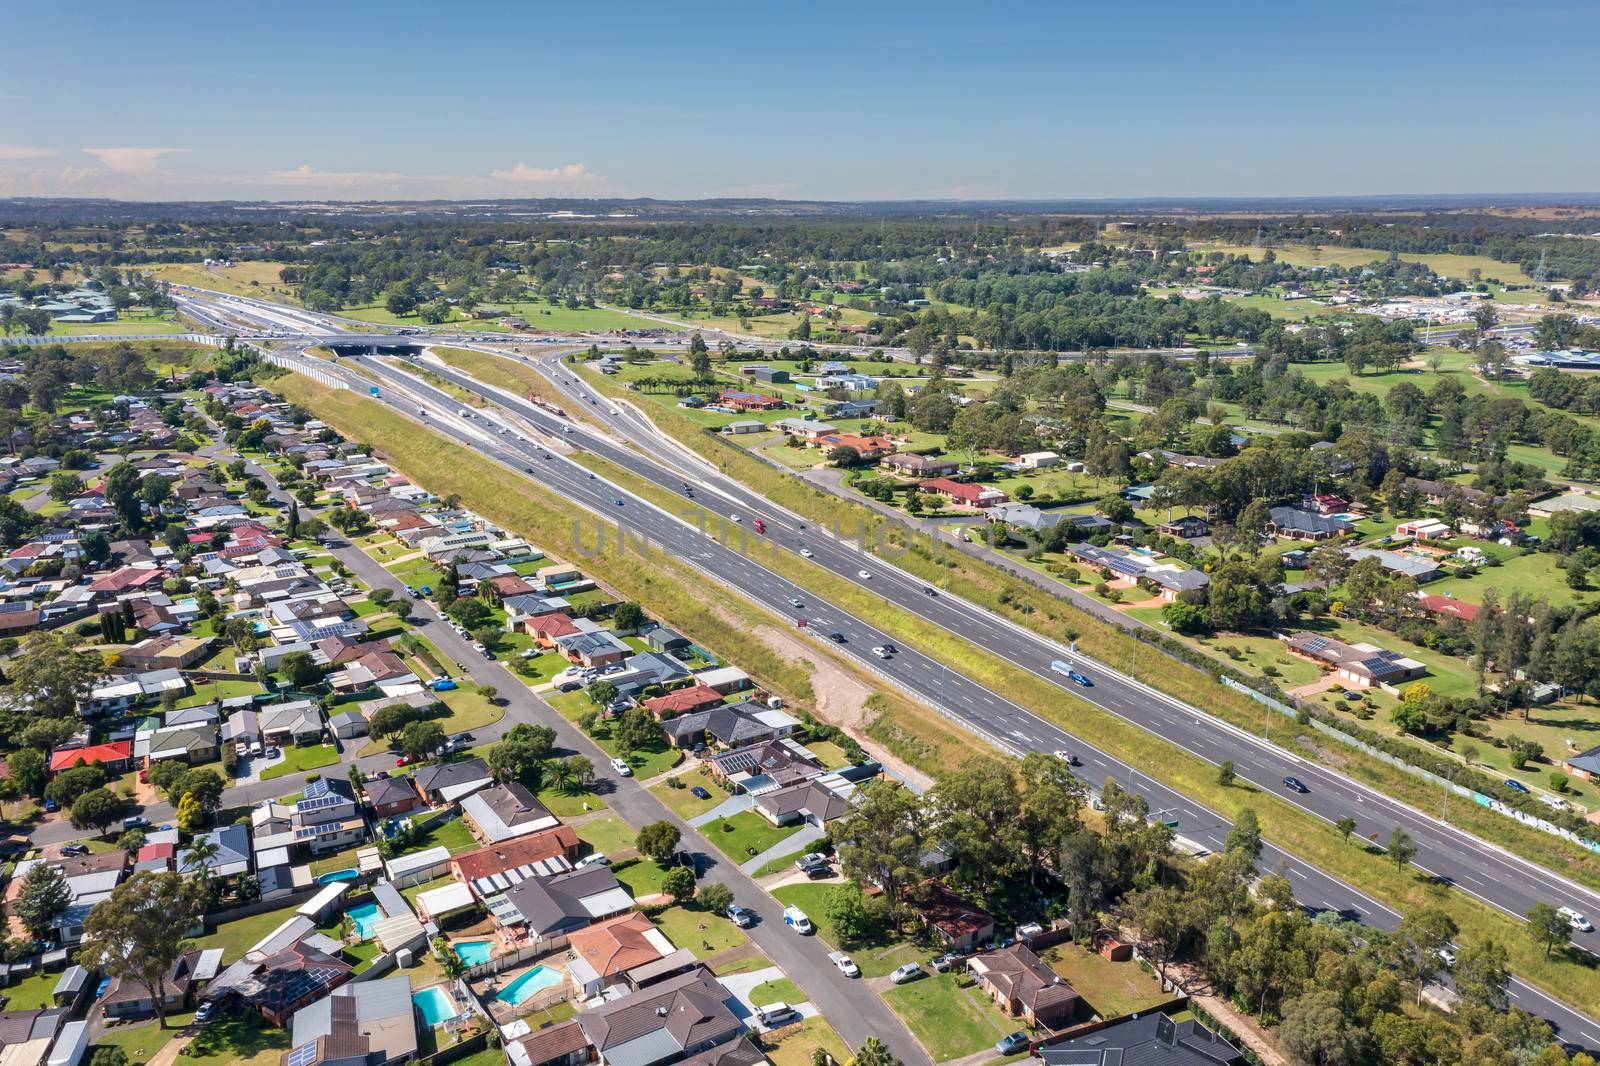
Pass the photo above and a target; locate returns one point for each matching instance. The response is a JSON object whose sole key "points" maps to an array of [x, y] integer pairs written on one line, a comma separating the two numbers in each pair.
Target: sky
{"points": [[356, 99]]}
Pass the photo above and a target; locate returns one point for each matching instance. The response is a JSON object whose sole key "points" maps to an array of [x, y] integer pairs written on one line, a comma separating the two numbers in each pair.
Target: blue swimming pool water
{"points": [[339, 875], [539, 977], [436, 1007], [366, 918], [474, 952]]}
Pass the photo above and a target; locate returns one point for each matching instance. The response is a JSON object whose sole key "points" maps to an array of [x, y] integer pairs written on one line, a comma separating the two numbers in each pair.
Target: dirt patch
{"points": [[841, 696]]}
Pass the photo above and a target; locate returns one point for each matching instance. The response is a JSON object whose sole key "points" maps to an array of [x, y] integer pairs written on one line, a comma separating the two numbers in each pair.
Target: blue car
{"points": [[1516, 786], [1078, 679], [699, 793], [443, 684]]}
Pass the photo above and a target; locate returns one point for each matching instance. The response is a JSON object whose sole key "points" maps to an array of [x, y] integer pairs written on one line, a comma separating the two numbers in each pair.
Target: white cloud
{"points": [[522, 173], [135, 161], [305, 174], [24, 151]]}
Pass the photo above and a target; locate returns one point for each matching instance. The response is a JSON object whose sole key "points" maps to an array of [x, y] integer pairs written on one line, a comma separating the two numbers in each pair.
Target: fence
{"points": [[526, 953], [308, 367], [1487, 802]]}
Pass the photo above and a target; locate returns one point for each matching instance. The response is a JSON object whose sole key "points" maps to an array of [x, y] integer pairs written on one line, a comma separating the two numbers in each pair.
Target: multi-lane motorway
{"points": [[1475, 867]]}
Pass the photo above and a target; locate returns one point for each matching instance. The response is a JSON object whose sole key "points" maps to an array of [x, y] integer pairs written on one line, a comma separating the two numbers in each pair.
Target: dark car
{"points": [[570, 686], [688, 861], [1294, 784], [837, 638], [1516, 786], [699, 793], [1014, 1044]]}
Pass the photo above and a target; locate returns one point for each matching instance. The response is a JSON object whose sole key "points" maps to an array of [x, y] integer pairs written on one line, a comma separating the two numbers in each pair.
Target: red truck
{"points": [[760, 526]]}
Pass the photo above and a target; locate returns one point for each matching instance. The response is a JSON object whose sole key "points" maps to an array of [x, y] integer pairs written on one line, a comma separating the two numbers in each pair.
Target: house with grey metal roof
{"points": [[1139, 1041], [678, 1018], [364, 1023]]}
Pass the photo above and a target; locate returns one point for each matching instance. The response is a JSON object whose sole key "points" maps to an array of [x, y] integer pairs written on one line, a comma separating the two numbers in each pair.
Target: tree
{"points": [[121, 489], [136, 933], [601, 692], [50, 676], [716, 897], [419, 740], [1225, 773], [1481, 975], [131, 841], [96, 810], [1421, 937], [166, 775], [70, 784], [635, 730], [699, 356], [1317, 1031], [204, 786], [872, 1052], [846, 908], [300, 669], [1548, 928], [28, 771], [1245, 836], [628, 616], [880, 838], [45, 896], [1401, 849], [658, 841], [679, 884], [64, 486], [1344, 827]]}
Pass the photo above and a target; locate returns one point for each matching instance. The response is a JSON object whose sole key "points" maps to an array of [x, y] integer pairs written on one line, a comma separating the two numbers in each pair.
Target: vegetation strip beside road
{"points": [[1292, 829], [1026, 604]]}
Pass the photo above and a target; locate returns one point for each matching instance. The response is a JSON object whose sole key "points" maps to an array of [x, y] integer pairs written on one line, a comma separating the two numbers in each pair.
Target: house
{"points": [[1328, 504], [1025, 516], [910, 464], [325, 818], [129, 999], [287, 724], [1359, 665], [491, 870], [389, 796], [603, 954], [563, 1044], [1423, 529], [1142, 1039], [502, 812], [1436, 492], [1110, 562], [1024, 987], [193, 744], [230, 852], [1585, 766], [731, 400], [866, 448], [666, 640], [957, 923], [115, 756], [282, 983], [685, 700], [546, 629], [1186, 528], [1037, 460], [544, 908], [815, 801], [121, 693], [368, 1023], [964, 493], [348, 725], [160, 653], [732, 725], [677, 1019], [449, 782], [762, 766], [804, 426], [1174, 583], [599, 648], [725, 679], [1402, 565], [1295, 524], [1448, 607]]}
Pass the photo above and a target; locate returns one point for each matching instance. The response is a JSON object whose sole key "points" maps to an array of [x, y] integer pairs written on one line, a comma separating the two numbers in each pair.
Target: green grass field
{"points": [[298, 760], [700, 931], [1450, 266], [538, 314], [745, 835], [608, 834], [950, 1021]]}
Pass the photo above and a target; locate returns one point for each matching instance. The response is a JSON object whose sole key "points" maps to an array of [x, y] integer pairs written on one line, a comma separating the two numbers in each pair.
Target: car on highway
{"points": [[844, 963], [699, 792], [796, 919], [1294, 784], [805, 553], [743, 918], [837, 638], [619, 501], [909, 972], [881, 652], [795, 603], [735, 518], [929, 590], [864, 575], [1014, 1044], [622, 768], [1066, 756], [1576, 919]]}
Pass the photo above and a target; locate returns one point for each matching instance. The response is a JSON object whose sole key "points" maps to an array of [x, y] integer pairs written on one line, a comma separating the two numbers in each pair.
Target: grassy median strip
{"points": [[1292, 829], [1026, 604]]}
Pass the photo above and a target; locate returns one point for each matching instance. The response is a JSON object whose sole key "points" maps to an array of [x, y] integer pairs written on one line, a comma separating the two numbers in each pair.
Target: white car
{"points": [[845, 964], [597, 859], [1576, 919], [795, 603], [622, 768], [864, 575], [909, 972], [735, 518], [881, 652], [805, 553]]}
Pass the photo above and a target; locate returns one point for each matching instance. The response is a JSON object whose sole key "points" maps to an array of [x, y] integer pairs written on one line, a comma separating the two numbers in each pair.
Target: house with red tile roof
{"points": [[683, 701], [1448, 607], [545, 628], [114, 755], [867, 447], [964, 493]]}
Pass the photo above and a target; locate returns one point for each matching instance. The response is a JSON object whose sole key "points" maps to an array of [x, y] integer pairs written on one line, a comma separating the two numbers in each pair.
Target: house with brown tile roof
{"points": [[959, 923], [673, 1020], [1024, 987], [537, 854]]}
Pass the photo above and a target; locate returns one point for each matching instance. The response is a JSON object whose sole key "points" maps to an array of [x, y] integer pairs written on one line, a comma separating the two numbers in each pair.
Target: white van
{"points": [[796, 919]]}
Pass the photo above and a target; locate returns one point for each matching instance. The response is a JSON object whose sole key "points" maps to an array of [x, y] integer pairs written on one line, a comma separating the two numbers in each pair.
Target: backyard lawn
{"points": [[793, 1045], [950, 1021], [33, 993], [745, 835], [641, 876], [240, 935], [299, 760], [609, 834], [449, 832], [239, 1038], [699, 931], [1111, 988]]}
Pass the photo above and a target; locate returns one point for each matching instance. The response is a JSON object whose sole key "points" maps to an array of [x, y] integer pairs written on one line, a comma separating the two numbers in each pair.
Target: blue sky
{"points": [[355, 99]]}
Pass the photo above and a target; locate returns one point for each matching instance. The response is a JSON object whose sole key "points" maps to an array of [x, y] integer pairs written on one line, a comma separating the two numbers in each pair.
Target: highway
{"points": [[1444, 852]]}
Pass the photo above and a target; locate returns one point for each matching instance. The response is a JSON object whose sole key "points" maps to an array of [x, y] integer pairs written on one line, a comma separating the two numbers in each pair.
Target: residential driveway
{"points": [[726, 809], [792, 844], [742, 984]]}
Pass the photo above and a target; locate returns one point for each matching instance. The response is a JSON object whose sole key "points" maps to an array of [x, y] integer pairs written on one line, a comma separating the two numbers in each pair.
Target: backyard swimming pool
{"points": [[435, 1004], [366, 918], [536, 979], [339, 875], [474, 952]]}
